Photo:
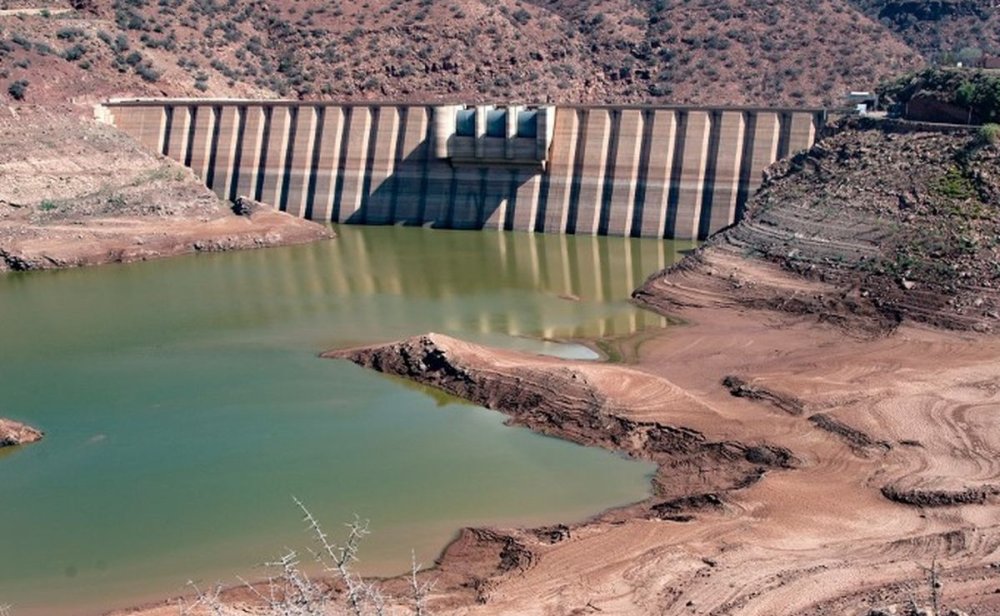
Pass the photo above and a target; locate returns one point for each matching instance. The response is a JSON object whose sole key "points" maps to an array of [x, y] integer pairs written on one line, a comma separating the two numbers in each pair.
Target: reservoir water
{"points": [[185, 405]]}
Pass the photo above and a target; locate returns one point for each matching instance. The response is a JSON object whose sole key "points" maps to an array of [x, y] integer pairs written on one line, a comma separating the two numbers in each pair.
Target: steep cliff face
{"points": [[895, 222]]}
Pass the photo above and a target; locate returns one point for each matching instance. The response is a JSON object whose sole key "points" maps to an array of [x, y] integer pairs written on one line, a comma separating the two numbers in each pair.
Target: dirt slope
{"points": [[696, 51], [907, 415], [74, 192], [898, 223]]}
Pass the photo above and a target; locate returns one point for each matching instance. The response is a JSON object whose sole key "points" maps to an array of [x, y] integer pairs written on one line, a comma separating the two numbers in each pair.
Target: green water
{"points": [[184, 405]]}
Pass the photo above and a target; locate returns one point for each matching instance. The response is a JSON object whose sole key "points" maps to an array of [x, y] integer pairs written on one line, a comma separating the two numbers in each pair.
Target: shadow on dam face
{"points": [[665, 172]]}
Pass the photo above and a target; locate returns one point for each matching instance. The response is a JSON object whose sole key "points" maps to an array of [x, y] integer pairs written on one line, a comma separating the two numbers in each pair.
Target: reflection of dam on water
{"points": [[582, 275], [191, 399], [623, 170]]}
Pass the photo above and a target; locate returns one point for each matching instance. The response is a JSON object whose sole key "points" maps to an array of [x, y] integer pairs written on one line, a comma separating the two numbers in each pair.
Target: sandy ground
{"points": [[911, 415], [818, 537], [74, 192]]}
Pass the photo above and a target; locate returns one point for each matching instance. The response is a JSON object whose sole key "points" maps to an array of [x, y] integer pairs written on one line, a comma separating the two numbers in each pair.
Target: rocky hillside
{"points": [[890, 222], [718, 51], [941, 30]]}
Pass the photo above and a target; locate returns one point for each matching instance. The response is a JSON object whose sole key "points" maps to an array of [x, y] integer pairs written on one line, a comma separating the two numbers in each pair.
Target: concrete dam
{"points": [[649, 171]]}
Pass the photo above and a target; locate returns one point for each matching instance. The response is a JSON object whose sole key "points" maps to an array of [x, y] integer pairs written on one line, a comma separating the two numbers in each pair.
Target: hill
{"points": [[942, 30], [683, 51], [902, 222]]}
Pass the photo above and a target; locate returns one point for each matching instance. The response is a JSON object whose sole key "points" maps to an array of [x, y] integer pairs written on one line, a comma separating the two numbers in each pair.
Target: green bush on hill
{"points": [[990, 134], [975, 90]]}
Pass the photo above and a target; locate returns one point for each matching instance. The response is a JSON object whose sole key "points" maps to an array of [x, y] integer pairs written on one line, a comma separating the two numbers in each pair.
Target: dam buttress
{"points": [[649, 171]]}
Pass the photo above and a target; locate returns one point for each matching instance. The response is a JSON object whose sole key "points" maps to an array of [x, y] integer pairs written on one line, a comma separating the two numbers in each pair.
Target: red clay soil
{"points": [[76, 193]]}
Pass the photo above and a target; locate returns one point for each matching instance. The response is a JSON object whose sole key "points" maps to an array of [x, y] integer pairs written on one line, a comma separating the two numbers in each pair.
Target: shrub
{"points": [[69, 34], [75, 52], [18, 89], [147, 72], [990, 134], [521, 16]]}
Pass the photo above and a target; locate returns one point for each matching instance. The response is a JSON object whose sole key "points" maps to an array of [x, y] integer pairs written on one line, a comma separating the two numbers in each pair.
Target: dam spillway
{"points": [[642, 171]]}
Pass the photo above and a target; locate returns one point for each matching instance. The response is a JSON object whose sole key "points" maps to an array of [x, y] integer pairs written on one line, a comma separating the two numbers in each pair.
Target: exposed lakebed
{"points": [[184, 406]]}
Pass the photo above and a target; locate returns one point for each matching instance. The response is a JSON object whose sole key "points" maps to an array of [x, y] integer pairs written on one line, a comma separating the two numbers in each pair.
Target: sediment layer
{"points": [[13, 433], [571, 401], [75, 193], [877, 223]]}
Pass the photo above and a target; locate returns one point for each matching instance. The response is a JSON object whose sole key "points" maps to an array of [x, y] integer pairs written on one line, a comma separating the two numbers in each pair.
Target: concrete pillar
{"points": [[180, 129], [497, 197], [327, 166], [481, 111], [512, 111], [692, 180], [201, 142], [725, 186], [300, 167], [622, 205], [443, 128], [410, 166], [380, 189], [526, 200], [147, 125], [546, 131], [277, 152], [355, 165], [225, 152], [764, 150], [250, 152], [560, 170], [659, 166], [597, 135], [802, 132], [469, 201]]}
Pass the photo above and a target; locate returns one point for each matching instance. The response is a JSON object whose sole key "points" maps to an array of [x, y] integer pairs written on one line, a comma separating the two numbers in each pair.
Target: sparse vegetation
{"points": [[619, 51], [18, 89], [978, 92], [989, 134], [290, 591]]}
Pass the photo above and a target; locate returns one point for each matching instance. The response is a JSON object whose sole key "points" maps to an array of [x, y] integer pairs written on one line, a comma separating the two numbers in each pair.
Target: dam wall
{"points": [[664, 171]]}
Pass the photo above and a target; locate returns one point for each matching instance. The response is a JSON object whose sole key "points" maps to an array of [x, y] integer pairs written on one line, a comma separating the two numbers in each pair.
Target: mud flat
{"points": [[75, 193]]}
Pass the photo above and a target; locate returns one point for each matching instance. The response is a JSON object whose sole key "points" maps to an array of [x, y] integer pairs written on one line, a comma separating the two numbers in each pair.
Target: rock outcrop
{"points": [[13, 433]]}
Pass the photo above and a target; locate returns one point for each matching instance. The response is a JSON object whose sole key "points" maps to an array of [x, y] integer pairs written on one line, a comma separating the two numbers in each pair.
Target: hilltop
{"points": [[723, 51]]}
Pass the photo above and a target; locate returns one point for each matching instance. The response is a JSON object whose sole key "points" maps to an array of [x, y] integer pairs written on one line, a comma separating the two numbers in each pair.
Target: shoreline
{"points": [[488, 570], [514, 570], [77, 193]]}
